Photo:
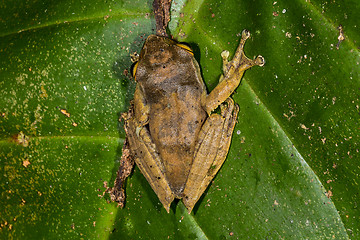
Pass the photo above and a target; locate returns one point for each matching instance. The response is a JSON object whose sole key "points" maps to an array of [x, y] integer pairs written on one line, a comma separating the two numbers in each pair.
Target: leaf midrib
{"points": [[49, 138], [123, 14]]}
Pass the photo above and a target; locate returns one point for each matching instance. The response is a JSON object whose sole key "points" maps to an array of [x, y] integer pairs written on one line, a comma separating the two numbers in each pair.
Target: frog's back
{"points": [[173, 87], [174, 123]]}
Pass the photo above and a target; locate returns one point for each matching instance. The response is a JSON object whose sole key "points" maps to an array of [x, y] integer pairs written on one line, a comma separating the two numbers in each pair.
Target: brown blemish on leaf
{"points": [[303, 126], [26, 163], [22, 139], [341, 36], [329, 194], [66, 113], [43, 93]]}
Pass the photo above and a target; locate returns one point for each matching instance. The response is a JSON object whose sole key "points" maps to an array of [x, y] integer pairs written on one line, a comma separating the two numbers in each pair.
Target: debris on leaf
{"points": [[341, 36]]}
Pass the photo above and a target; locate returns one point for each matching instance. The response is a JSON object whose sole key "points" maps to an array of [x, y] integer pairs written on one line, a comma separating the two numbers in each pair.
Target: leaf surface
{"points": [[293, 166]]}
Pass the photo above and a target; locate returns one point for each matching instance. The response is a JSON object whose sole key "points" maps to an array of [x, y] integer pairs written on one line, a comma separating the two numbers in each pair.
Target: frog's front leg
{"points": [[144, 150], [233, 71], [210, 152]]}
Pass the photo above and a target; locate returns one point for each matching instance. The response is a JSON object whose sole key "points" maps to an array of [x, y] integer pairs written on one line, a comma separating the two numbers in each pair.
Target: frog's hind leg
{"points": [[148, 160], [210, 152]]}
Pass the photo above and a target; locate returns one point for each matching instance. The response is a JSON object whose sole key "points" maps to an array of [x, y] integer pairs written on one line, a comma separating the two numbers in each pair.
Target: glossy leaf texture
{"points": [[293, 167]]}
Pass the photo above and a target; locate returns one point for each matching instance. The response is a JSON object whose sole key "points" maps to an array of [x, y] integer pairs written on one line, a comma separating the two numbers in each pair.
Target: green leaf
{"points": [[293, 167]]}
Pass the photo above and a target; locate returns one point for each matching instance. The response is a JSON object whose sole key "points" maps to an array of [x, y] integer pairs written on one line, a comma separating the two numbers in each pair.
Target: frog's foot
{"points": [[233, 72], [240, 61], [210, 152]]}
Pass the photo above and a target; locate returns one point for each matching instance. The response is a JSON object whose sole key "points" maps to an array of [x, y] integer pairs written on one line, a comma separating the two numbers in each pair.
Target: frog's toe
{"points": [[260, 61], [227, 107], [245, 34], [230, 102], [225, 54]]}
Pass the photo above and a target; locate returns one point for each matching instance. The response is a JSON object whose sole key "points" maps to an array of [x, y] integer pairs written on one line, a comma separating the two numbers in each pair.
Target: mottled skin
{"points": [[173, 94], [178, 143]]}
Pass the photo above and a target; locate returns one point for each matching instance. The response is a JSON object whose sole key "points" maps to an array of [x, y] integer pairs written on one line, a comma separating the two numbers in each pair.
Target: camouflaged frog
{"points": [[178, 142]]}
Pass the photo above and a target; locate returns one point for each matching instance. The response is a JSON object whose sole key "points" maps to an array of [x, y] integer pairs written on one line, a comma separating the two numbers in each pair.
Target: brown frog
{"points": [[177, 141]]}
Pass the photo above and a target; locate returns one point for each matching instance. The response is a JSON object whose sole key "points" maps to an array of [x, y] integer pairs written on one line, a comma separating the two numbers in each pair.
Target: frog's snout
{"points": [[160, 57]]}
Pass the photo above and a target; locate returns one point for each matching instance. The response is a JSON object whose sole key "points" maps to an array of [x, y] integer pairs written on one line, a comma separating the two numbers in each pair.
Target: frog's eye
{"points": [[134, 68], [186, 47]]}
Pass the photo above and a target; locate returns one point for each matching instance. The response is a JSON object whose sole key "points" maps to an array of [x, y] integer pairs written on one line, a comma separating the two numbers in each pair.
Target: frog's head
{"points": [[159, 54], [157, 50]]}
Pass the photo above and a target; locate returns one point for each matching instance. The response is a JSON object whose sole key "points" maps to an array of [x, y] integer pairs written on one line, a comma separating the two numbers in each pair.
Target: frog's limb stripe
{"points": [[233, 71], [213, 147], [133, 69], [148, 161], [142, 109], [186, 47]]}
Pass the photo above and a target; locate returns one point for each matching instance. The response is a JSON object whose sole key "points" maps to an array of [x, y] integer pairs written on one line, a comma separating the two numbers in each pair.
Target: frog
{"points": [[179, 134]]}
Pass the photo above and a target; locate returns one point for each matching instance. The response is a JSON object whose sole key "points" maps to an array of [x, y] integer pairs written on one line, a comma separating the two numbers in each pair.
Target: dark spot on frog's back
{"points": [[160, 57], [154, 94], [159, 89], [193, 126]]}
